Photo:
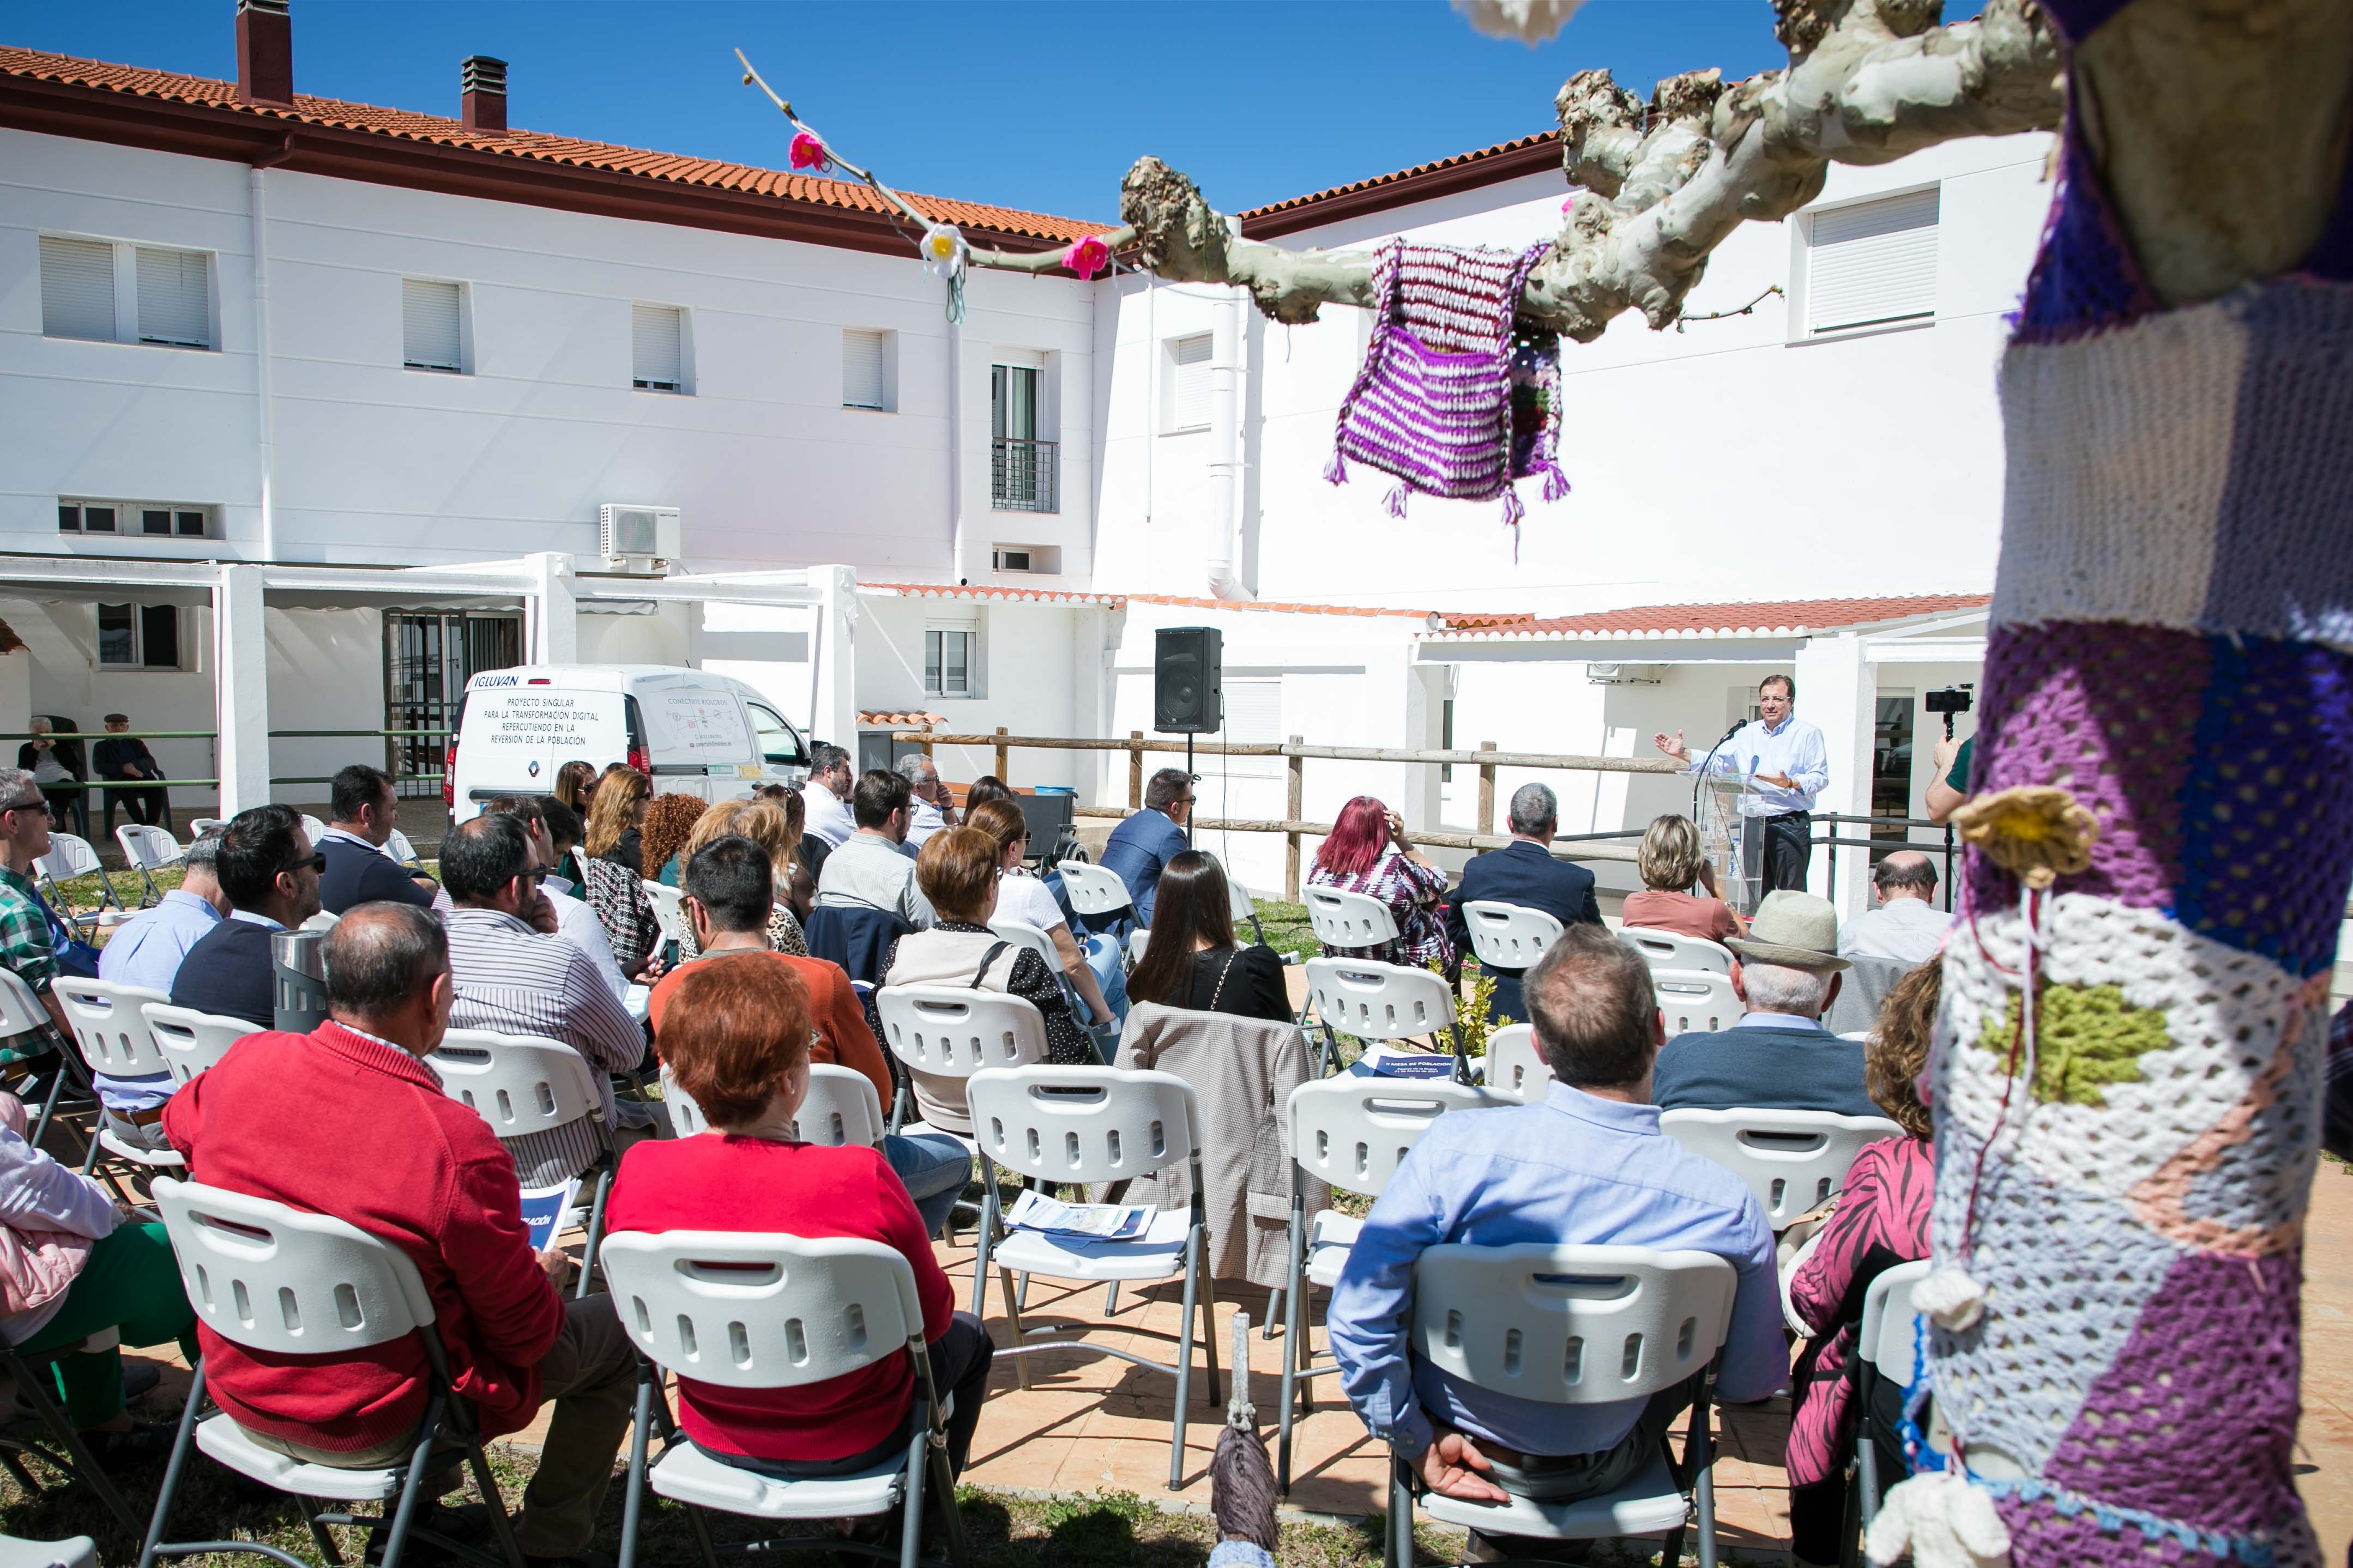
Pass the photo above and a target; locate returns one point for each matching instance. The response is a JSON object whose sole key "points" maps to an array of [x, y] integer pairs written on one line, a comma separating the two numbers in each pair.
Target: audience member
{"points": [[808, 849], [1369, 852], [575, 785], [1907, 926], [44, 758], [349, 1121], [271, 873], [728, 884], [145, 951], [669, 822], [78, 1263], [868, 869], [362, 808], [1586, 1166], [514, 975], [1778, 1056], [575, 922], [126, 756], [1522, 872], [1194, 961], [983, 790], [769, 827], [1141, 844], [1670, 863], [608, 861], [28, 932], [739, 1045], [1787, 764], [1095, 967], [830, 783], [1882, 1219], [933, 806], [617, 816], [1950, 790], [958, 872]]}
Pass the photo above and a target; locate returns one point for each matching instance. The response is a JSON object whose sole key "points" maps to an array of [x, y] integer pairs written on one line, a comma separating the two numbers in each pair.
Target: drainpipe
{"points": [[265, 444], [1225, 449], [955, 450]]}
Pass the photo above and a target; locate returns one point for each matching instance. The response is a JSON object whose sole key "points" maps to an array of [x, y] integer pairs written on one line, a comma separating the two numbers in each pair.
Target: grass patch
{"points": [[1286, 928]]}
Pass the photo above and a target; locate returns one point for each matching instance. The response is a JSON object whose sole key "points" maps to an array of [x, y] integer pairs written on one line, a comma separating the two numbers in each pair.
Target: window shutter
{"points": [[1872, 262], [428, 325], [1254, 717], [175, 305], [654, 333], [861, 368], [77, 288], [1192, 401]]}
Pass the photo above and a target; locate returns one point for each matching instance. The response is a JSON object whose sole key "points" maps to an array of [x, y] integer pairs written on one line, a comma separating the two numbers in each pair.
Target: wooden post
{"points": [[1486, 791], [1295, 793], [1004, 772], [925, 745], [1135, 769]]}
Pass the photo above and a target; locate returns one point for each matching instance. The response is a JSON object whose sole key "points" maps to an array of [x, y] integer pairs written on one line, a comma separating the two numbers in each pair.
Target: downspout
{"points": [[265, 442], [955, 448], [1225, 449]]}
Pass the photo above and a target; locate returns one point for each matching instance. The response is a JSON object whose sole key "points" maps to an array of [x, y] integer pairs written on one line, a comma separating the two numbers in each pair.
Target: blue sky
{"points": [[1022, 102]]}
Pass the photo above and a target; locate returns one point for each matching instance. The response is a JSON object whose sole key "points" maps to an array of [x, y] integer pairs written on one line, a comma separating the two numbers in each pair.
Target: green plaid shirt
{"points": [[25, 945]]}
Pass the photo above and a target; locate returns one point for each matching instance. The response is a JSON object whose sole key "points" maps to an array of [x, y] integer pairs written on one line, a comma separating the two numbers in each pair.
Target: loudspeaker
{"points": [[1186, 671]]}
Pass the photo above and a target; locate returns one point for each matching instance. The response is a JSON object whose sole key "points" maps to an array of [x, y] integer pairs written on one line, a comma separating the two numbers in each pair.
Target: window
{"points": [[139, 636], [947, 663], [175, 298], [1022, 468], [864, 368], [1037, 558], [779, 744], [82, 284], [429, 329], [154, 520], [657, 360], [1872, 264], [1254, 717], [1188, 391], [77, 288]]}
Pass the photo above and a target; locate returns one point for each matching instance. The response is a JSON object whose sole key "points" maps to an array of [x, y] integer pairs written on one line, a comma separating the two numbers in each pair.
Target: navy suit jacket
{"points": [[228, 973], [1760, 1068], [1140, 845], [1524, 874], [357, 876]]}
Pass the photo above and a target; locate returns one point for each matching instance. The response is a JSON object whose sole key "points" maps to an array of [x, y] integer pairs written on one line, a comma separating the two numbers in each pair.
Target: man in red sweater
{"points": [[347, 1120]]}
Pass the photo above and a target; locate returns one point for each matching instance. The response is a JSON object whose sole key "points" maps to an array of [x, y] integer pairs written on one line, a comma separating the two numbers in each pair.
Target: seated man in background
{"points": [[932, 805], [145, 951], [126, 756], [348, 1120], [554, 833], [870, 869], [1907, 926], [1586, 1166], [270, 874], [1143, 843], [1522, 872], [1779, 1056], [363, 809]]}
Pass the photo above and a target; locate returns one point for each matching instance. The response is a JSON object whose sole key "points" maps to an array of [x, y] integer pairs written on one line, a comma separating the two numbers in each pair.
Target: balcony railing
{"points": [[1022, 474]]}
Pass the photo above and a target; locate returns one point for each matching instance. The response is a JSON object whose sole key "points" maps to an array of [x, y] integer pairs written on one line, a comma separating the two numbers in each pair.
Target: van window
{"points": [[695, 724], [778, 742]]}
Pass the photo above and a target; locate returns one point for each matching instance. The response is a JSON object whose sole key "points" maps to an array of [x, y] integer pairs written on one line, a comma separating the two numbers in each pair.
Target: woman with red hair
{"points": [[1369, 852]]}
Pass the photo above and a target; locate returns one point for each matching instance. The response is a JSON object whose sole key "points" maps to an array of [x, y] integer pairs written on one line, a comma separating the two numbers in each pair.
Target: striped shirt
{"points": [[513, 980]]}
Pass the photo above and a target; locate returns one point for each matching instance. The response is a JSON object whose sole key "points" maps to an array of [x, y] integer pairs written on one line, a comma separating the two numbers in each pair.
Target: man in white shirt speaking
{"points": [[1791, 765]]}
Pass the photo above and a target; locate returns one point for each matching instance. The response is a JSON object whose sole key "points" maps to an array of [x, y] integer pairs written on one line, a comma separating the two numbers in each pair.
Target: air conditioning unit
{"points": [[1622, 674], [1010, 560], [638, 537]]}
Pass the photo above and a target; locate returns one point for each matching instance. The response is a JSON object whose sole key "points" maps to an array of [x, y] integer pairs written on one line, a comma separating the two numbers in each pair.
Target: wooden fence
{"points": [[1297, 754]]}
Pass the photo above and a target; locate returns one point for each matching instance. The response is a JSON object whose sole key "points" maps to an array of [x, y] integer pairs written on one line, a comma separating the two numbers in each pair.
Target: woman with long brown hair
{"points": [[617, 814], [1192, 959], [771, 827]]}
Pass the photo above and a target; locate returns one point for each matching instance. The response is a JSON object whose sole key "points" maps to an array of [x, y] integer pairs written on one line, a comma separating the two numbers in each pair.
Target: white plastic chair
{"points": [[1508, 936], [148, 850], [74, 1552], [200, 826], [1350, 1132], [1093, 890], [313, 829], [401, 849], [70, 857], [670, 910], [1085, 1124], [1673, 950], [523, 1084], [1376, 1001], [113, 1035], [189, 1041], [272, 1279], [1018, 935], [323, 921], [1885, 1345], [1791, 1159], [945, 1034], [1348, 922], [23, 1014], [1574, 1325], [686, 1118], [744, 1309], [1695, 1000], [841, 1108], [1516, 1066]]}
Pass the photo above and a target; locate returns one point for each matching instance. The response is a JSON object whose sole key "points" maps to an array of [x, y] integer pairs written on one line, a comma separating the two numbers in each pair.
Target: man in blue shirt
{"points": [[1141, 845], [1586, 1166], [1790, 763], [145, 951]]}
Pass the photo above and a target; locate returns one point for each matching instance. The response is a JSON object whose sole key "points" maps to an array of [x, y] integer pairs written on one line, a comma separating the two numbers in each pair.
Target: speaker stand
{"points": [[1190, 783]]}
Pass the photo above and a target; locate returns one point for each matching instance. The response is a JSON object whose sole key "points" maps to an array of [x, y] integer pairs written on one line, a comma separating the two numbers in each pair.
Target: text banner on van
{"points": [[562, 724]]}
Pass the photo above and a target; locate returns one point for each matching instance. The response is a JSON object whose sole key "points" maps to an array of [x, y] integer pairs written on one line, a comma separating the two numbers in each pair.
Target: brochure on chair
{"points": [[543, 1211], [1091, 1222], [1388, 1061]]}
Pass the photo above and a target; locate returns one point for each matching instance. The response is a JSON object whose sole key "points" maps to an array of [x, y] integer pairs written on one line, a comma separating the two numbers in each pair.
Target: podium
{"points": [[1731, 841]]}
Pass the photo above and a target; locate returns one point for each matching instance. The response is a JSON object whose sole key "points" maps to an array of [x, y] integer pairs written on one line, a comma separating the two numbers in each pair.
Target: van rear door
{"points": [[514, 737], [700, 740]]}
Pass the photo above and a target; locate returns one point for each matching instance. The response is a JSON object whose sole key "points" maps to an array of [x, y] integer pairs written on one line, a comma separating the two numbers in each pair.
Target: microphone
{"points": [[1738, 725]]}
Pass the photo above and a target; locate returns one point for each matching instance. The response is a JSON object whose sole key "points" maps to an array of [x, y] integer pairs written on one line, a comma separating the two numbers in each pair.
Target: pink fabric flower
{"points": [[808, 153], [1088, 256]]}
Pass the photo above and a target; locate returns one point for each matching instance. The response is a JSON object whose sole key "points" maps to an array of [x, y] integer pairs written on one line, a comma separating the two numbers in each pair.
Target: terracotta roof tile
{"points": [[1717, 620], [1002, 591], [1444, 176], [901, 721], [1393, 176], [535, 145], [995, 591]]}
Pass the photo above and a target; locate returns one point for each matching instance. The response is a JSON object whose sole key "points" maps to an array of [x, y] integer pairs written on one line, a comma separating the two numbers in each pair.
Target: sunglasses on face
{"points": [[36, 804], [317, 861]]}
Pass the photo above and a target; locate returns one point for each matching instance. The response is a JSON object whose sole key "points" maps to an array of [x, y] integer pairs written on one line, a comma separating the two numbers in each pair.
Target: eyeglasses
{"points": [[317, 861], [25, 804], [536, 874]]}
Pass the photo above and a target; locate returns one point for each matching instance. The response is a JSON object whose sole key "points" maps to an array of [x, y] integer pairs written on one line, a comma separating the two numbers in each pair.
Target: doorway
{"points": [[429, 657]]}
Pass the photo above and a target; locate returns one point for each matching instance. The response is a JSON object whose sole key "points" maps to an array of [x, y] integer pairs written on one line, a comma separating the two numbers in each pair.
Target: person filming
{"points": [[1790, 765]]}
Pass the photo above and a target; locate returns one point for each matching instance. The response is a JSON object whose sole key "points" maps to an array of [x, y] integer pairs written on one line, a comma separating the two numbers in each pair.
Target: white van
{"points": [[692, 731]]}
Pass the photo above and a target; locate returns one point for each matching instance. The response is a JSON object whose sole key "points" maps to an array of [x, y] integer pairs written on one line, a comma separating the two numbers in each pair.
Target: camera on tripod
{"points": [[1952, 699]]}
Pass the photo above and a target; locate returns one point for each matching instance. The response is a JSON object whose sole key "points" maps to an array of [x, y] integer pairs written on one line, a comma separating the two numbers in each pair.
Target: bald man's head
{"points": [[1905, 874], [382, 956]]}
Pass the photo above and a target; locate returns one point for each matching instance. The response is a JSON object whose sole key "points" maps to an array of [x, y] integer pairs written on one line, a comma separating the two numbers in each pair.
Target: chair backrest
{"points": [[1791, 1159], [20, 1007], [107, 1025], [1351, 1132], [954, 1031], [517, 1083], [148, 849], [200, 826], [686, 1118], [670, 910], [1093, 890], [1348, 921], [325, 920], [400, 848], [189, 1041], [1082, 1123], [269, 1277], [313, 829], [1673, 950], [1031, 937], [1570, 1325], [1695, 999], [1379, 1001], [1516, 1066], [1886, 1339], [744, 1310], [68, 857], [1508, 936], [841, 1108]]}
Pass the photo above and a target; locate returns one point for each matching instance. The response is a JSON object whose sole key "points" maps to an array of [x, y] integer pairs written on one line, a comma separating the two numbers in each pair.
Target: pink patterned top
{"points": [[1412, 891]]}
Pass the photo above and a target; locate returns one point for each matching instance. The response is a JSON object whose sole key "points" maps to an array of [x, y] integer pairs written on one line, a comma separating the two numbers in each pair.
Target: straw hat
{"points": [[1794, 929]]}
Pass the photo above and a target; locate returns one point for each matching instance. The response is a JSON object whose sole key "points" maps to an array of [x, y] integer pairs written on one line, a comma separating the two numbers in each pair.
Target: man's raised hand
{"points": [[1672, 747]]}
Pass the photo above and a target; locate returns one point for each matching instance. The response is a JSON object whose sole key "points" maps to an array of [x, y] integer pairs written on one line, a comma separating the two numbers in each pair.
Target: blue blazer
{"points": [[1140, 845], [1524, 874]]}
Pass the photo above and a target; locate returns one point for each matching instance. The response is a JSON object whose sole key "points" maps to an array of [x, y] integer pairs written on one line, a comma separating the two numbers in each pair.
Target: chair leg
{"points": [[694, 1521], [910, 1522], [943, 1478], [173, 1471], [319, 1536], [412, 1487], [1704, 1480], [1397, 1550], [1851, 1526], [1210, 1329], [24, 1477], [30, 1381], [633, 1499], [1185, 1358], [985, 1241], [1110, 1300], [596, 1231], [502, 1522], [1273, 1310], [1013, 1316]]}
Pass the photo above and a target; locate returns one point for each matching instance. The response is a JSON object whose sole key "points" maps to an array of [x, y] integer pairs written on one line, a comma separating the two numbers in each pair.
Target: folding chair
{"points": [[189, 1041], [791, 1311], [1348, 922], [1516, 1066], [27, 1033], [1791, 1159], [1886, 1347], [313, 829], [1080, 1124], [1352, 1133], [523, 1084], [1697, 1000], [200, 826], [840, 1107], [1382, 1002], [1038, 941], [68, 858], [401, 849], [1673, 950], [111, 1031], [1095, 891], [274, 1280], [74, 1552], [669, 911], [950, 1032], [1508, 936], [148, 850], [49, 1436], [1241, 904], [1575, 1325]]}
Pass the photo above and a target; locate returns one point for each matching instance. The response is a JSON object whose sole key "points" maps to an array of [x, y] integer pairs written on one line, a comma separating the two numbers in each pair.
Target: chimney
{"points": [[264, 53], [484, 83]]}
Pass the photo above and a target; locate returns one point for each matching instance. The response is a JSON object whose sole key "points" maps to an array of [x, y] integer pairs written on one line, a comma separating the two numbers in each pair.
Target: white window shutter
{"points": [[1872, 262], [175, 298], [654, 334], [1190, 409], [428, 324], [1254, 717], [77, 288], [861, 368]]}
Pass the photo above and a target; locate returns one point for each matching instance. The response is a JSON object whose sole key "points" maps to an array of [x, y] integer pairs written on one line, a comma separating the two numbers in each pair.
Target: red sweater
{"points": [[717, 1181], [337, 1123]]}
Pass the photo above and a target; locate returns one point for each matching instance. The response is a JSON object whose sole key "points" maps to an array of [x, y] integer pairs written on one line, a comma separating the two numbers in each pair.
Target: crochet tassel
{"points": [[1942, 1520], [1395, 505], [1556, 483], [1335, 472], [1513, 508]]}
